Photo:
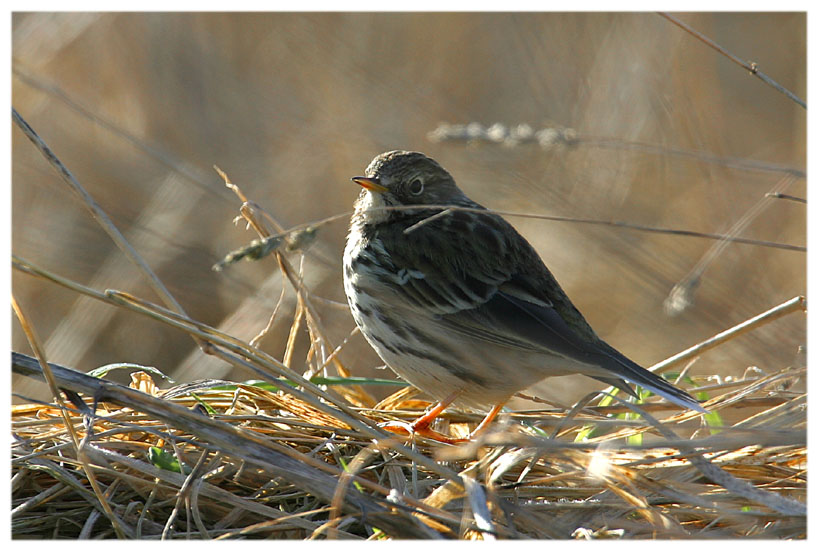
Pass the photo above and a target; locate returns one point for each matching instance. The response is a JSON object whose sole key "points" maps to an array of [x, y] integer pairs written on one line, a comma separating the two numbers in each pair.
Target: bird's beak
{"points": [[372, 184]]}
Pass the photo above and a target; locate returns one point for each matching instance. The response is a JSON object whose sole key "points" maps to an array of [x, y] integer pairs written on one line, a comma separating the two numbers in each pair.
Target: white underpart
{"points": [[370, 205]]}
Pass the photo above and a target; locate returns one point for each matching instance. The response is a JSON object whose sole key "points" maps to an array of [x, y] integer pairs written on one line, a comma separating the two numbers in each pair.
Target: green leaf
{"points": [[208, 407], [102, 371], [357, 381], [346, 469], [537, 430], [590, 431], [713, 420], [166, 460], [635, 439]]}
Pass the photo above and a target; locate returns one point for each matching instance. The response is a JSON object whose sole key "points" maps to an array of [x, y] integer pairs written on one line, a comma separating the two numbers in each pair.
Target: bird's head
{"points": [[400, 178]]}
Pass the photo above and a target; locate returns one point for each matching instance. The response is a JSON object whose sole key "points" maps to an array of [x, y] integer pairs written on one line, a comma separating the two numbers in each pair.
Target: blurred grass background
{"points": [[140, 106]]}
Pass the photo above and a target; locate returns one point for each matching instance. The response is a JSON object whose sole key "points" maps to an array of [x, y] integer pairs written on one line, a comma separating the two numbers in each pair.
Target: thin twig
{"points": [[550, 137], [556, 218], [98, 214], [724, 479], [195, 176], [795, 304], [751, 66], [427, 220], [256, 359], [681, 296], [256, 341], [788, 197], [304, 308], [54, 387]]}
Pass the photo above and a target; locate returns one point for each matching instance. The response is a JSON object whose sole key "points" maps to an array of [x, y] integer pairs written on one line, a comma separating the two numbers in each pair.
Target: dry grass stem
{"points": [[97, 212]]}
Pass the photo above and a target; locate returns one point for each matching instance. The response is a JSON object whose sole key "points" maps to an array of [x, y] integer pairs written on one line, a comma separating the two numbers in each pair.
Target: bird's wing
{"points": [[514, 317], [510, 320], [499, 291], [491, 286]]}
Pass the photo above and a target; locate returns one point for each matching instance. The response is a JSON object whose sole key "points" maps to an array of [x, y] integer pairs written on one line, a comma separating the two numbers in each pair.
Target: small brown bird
{"points": [[458, 303]]}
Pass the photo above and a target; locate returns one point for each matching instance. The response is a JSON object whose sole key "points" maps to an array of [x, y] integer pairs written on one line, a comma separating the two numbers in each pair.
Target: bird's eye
{"points": [[416, 186]]}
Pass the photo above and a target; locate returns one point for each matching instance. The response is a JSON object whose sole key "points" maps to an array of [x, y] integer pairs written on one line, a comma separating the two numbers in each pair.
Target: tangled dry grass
{"points": [[229, 460], [302, 456]]}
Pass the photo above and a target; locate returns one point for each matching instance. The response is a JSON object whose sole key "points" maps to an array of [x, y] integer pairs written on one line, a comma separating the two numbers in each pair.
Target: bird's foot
{"points": [[419, 429]]}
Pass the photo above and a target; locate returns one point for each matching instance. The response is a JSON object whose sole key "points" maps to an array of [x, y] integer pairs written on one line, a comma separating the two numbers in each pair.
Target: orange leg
{"points": [[422, 425], [484, 424]]}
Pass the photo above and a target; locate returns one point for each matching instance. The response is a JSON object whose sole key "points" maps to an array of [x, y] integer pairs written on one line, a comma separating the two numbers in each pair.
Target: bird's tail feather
{"points": [[634, 373]]}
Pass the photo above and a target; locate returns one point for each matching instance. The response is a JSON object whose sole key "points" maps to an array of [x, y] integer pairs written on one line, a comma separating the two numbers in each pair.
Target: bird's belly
{"points": [[440, 362], [483, 376]]}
